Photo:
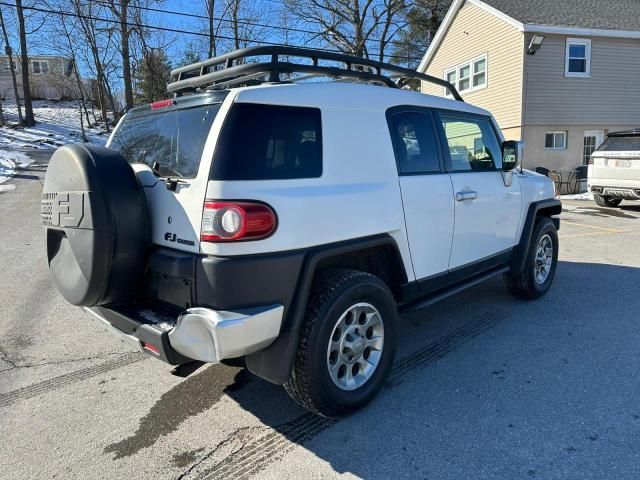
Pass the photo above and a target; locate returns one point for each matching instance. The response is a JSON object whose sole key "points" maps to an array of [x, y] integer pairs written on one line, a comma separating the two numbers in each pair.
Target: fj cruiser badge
{"points": [[172, 237]]}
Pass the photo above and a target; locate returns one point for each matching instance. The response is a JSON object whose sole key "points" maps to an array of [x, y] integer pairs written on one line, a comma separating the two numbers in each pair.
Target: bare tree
{"points": [[12, 65], [99, 54], [234, 6], [352, 26], [391, 10], [68, 33], [29, 119], [120, 9]]}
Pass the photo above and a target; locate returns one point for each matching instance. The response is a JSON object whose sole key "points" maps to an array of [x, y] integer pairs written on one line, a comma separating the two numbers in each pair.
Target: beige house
{"points": [[50, 77], [558, 74]]}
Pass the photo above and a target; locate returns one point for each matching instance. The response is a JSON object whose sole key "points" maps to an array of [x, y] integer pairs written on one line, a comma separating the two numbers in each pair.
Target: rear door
{"points": [[487, 208], [170, 146], [427, 195]]}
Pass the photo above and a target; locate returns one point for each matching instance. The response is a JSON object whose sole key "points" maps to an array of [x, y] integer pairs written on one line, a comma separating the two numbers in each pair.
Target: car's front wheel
{"points": [[607, 201], [540, 263], [347, 345]]}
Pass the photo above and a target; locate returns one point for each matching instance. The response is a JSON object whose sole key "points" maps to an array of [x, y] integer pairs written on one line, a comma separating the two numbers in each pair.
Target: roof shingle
{"points": [[606, 14]]}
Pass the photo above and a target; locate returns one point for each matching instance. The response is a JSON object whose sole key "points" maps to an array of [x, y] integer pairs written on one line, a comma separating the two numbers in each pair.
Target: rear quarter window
{"points": [[171, 139], [269, 142]]}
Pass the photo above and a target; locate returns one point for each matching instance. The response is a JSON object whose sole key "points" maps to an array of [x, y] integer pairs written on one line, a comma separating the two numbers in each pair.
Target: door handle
{"points": [[466, 195]]}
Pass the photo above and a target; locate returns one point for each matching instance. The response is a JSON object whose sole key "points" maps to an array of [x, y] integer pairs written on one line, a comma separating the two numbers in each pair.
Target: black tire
{"points": [[525, 285], [97, 225], [333, 293], [607, 201]]}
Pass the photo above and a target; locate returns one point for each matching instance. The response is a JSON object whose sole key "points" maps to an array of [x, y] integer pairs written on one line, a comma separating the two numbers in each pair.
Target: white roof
{"points": [[347, 95]]}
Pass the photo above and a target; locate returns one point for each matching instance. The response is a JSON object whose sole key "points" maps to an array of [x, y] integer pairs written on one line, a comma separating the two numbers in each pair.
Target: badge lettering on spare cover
{"points": [[172, 237], [64, 209]]}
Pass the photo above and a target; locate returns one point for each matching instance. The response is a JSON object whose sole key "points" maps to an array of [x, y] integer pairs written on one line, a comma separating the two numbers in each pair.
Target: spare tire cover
{"points": [[97, 225]]}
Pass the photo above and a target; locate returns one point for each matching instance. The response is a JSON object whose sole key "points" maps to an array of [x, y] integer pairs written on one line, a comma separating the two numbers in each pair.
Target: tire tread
{"points": [[326, 288], [521, 285]]}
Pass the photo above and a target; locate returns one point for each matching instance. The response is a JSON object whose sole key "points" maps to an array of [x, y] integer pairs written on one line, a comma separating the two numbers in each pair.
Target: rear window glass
{"points": [[173, 138], [621, 144], [269, 142]]}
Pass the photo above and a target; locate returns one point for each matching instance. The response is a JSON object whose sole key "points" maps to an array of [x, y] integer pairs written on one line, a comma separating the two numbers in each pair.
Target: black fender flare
{"points": [[274, 363], [546, 208]]}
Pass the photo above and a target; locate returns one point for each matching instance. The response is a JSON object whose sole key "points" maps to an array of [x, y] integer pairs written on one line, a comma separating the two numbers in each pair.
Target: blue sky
{"points": [[260, 11]]}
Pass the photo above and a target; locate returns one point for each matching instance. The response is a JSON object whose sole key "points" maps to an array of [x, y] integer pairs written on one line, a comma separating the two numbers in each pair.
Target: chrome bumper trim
{"points": [[210, 335]]}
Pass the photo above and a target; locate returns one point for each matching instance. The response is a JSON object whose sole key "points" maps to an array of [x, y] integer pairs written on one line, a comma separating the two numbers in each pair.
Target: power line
{"points": [[175, 30], [240, 22]]}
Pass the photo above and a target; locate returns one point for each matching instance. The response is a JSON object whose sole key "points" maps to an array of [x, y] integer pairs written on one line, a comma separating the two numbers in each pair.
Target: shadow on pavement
{"points": [[533, 396]]}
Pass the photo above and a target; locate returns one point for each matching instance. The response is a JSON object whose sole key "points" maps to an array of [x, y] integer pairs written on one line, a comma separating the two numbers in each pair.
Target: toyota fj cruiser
{"points": [[285, 222], [614, 170]]}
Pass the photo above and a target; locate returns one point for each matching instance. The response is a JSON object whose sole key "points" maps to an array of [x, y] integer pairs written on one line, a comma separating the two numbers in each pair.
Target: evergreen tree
{"points": [[190, 55], [423, 20], [152, 77]]}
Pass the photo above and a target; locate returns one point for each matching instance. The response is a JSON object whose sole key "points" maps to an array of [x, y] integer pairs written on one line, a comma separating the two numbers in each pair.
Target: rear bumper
{"points": [[629, 190], [195, 334]]}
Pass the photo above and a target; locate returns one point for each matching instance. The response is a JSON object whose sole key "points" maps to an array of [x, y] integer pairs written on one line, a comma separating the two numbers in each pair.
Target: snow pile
{"points": [[577, 196], [8, 163], [58, 123]]}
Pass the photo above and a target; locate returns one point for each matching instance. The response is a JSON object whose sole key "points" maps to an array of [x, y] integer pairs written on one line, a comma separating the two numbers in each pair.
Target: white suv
{"points": [[287, 223], [614, 169]]}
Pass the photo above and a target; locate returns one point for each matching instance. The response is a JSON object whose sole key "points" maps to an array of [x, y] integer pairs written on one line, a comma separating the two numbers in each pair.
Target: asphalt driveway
{"points": [[485, 386]]}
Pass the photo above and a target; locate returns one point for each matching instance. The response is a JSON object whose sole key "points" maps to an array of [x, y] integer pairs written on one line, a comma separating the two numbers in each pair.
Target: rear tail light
{"points": [[232, 221]]}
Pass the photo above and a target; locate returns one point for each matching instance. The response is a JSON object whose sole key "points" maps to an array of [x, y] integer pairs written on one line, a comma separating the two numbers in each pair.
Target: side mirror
{"points": [[511, 154]]}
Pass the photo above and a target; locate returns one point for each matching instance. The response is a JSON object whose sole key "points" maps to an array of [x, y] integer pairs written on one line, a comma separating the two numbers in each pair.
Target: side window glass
{"points": [[414, 143], [269, 142], [473, 145]]}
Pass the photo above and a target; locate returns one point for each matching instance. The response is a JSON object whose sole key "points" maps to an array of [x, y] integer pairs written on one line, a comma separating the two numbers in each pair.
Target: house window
{"points": [[578, 58], [451, 76], [480, 73], [468, 76], [40, 66], [555, 140]]}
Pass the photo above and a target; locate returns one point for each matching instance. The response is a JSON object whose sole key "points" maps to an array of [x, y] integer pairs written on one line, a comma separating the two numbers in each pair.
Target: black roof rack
{"points": [[234, 69]]}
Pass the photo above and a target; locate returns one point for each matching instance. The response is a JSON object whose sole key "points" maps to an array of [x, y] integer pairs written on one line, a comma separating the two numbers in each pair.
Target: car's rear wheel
{"points": [[604, 201], [347, 345], [540, 263]]}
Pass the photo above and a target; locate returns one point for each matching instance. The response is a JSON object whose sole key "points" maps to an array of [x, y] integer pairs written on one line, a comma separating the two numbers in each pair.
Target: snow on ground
{"points": [[8, 163], [58, 123], [577, 196]]}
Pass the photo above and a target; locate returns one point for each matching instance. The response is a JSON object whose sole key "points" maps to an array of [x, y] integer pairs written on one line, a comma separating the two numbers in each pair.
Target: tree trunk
{"points": [[84, 135], [2, 121], [112, 102], [29, 119], [212, 38], [82, 98], [103, 107], [12, 66], [234, 16], [126, 60]]}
